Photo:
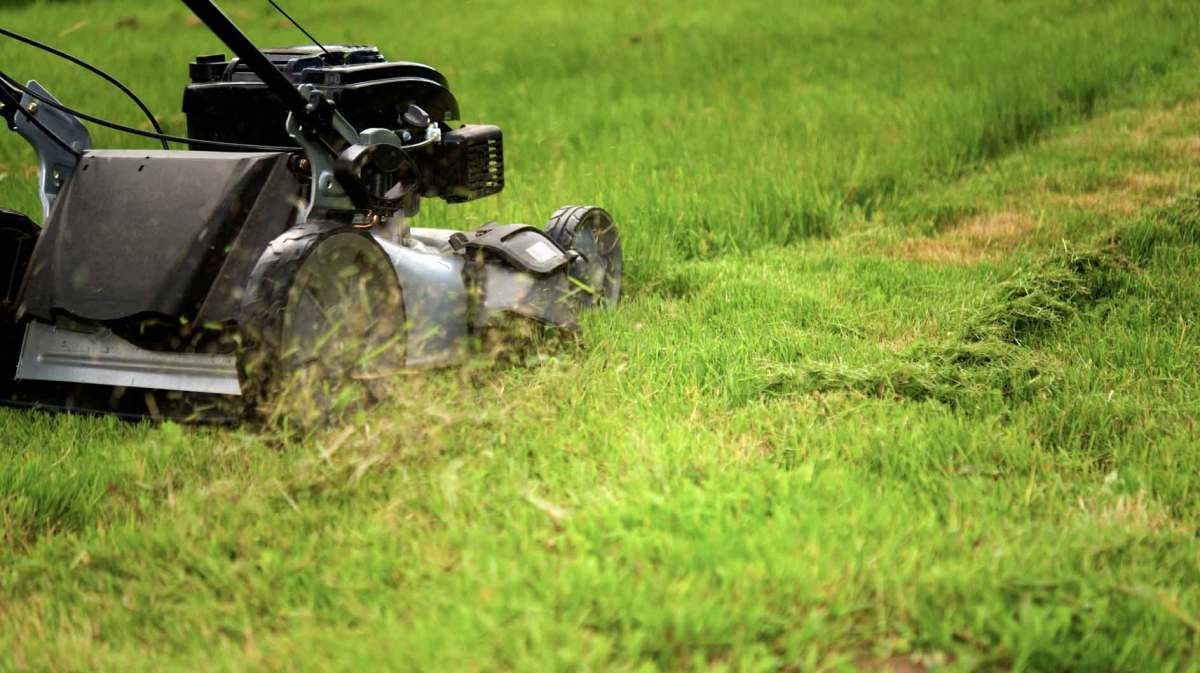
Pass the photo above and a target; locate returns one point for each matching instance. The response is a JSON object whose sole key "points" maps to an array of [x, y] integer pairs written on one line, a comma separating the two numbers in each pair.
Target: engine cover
{"points": [[227, 102]]}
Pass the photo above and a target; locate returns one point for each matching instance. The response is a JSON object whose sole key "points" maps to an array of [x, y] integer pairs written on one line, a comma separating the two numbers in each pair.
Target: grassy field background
{"points": [[905, 378]]}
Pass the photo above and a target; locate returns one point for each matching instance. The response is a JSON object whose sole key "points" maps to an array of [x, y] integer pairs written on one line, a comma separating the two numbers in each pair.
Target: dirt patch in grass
{"points": [[1165, 122], [1111, 169], [1124, 198], [972, 240], [991, 228], [1189, 146], [1160, 149], [991, 236]]}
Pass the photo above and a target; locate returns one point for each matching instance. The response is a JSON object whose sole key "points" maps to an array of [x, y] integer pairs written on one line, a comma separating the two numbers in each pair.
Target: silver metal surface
{"points": [[102, 358], [55, 163], [435, 301], [543, 297], [438, 239]]}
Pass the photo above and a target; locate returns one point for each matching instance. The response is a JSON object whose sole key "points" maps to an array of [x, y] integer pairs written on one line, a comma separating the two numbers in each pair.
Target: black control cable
{"points": [[92, 69], [215, 144], [298, 26]]}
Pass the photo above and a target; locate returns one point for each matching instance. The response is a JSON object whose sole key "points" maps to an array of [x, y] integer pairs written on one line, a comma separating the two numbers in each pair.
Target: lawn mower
{"points": [[196, 283]]}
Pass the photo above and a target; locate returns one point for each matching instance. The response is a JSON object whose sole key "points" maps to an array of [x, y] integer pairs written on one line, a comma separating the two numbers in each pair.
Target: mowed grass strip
{"points": [[662, 499]]}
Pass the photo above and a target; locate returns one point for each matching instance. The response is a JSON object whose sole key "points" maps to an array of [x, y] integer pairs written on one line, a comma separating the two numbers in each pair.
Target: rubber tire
{"points": [[18, 234], [330, 268], [591, 232]]}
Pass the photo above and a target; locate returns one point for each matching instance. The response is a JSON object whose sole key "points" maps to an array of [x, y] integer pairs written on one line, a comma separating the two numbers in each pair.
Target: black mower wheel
{"points": [[590, 232], [17, 236], [323, 323]]}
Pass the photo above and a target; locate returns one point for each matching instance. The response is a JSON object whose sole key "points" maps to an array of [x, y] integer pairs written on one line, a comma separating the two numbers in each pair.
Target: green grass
{"points": [[905, 377]]}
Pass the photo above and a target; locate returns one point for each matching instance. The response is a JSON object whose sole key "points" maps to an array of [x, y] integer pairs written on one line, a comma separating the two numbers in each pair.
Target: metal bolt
{"points": [[33, 107]]}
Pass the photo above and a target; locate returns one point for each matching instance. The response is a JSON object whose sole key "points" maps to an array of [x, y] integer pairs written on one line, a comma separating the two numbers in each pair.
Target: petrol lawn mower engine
{"points": [[276, 253], [227, 101]]}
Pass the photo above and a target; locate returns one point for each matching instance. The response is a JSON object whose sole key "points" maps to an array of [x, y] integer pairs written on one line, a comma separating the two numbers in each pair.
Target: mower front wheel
{"points": [[589, 231]]}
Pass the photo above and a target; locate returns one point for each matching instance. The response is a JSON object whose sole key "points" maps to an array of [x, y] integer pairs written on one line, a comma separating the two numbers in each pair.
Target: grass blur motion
{"points": [[904, 377]]}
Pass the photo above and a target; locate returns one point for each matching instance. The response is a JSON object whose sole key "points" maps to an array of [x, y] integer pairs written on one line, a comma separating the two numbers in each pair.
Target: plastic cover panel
{"points": [[139, 233]]}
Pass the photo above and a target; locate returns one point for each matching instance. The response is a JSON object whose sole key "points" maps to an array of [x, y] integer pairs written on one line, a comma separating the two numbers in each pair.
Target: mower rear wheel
{"points": [[590, 232], [325, 326], [17, 236]]}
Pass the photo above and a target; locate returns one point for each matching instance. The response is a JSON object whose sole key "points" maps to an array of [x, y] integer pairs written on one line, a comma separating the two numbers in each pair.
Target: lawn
{"points": [[905, 377]]}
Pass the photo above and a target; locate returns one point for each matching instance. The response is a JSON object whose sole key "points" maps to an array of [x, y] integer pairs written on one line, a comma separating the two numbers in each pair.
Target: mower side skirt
{"points": [[54, 354], [435, 301]]}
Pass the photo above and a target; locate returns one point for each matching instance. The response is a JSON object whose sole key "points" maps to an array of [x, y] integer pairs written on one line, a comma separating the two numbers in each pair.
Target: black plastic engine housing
{"points": [[227, 102], [468, 165]]}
